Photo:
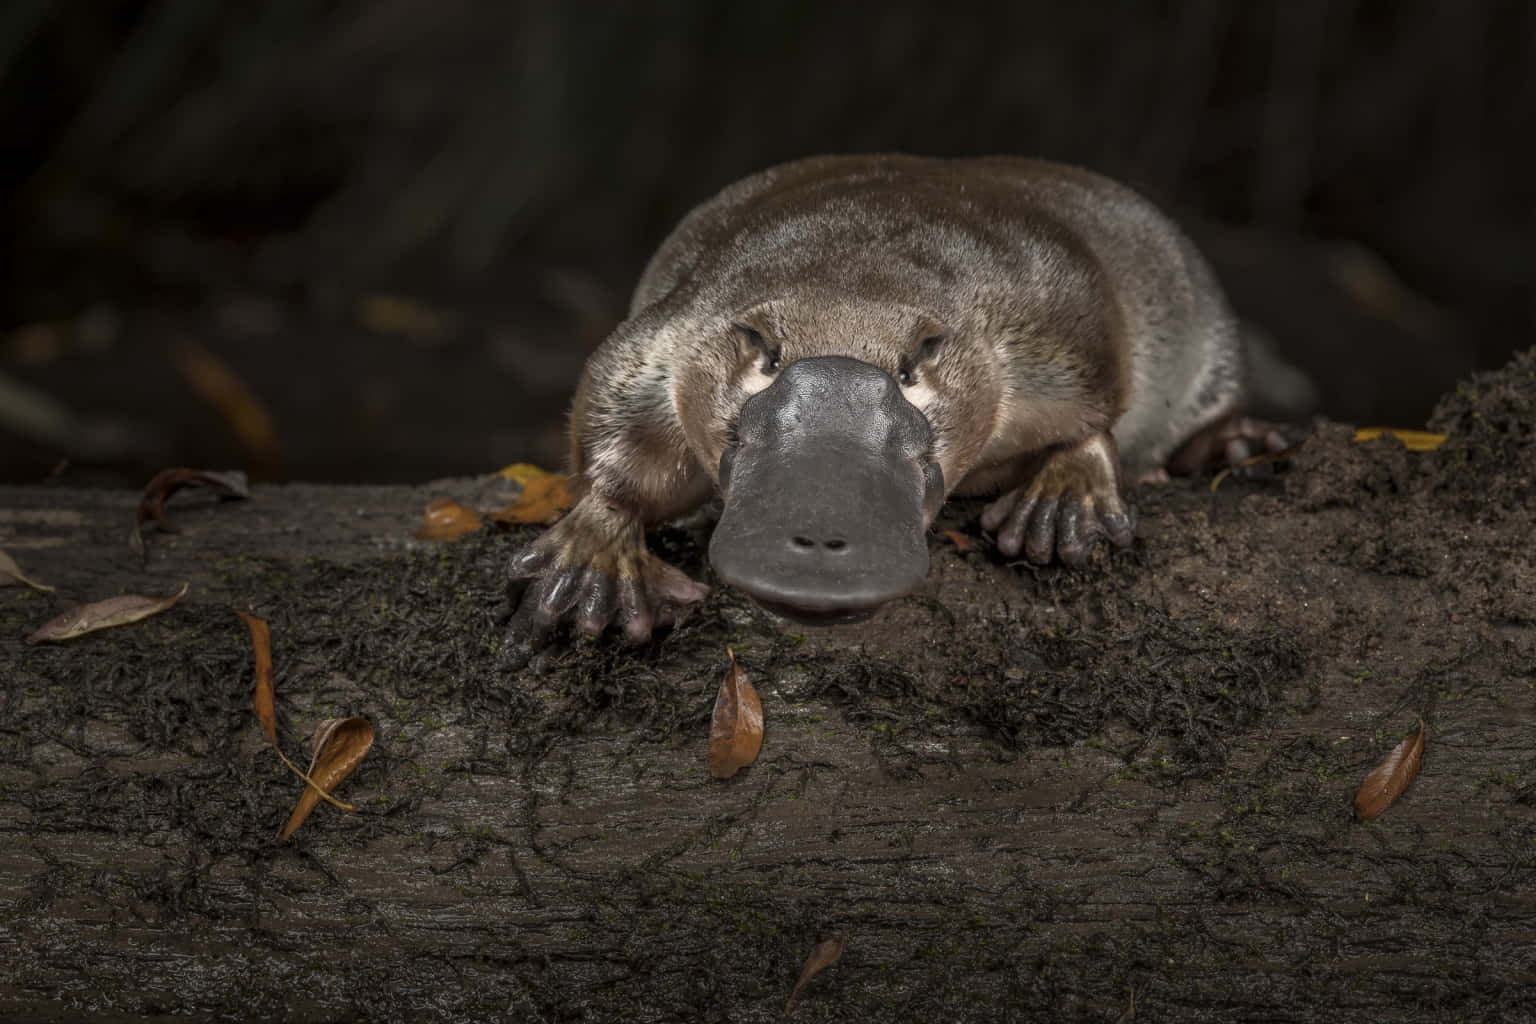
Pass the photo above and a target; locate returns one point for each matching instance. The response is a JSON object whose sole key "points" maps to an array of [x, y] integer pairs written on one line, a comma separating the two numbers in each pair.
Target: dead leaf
{"points": [[522, 472], [1389, 778], [823, 956], [736, 731], [340, 744], [34, 344], [10, 573], [1413, 440], [391, 314], [266, 693], [266, 714], [227, 484], [219, 386], [963, 542], [543, 500], [114, 611], [1129, 1013], [446, 519]]}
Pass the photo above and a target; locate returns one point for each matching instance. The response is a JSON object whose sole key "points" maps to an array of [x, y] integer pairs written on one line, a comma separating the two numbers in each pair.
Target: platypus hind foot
{"points": [[1071, 501], [592, 569], [1228, 443]]}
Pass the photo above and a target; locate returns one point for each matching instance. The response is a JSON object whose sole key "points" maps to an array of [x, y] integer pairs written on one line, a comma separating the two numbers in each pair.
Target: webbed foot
{"points": [[1227, 444], [1072, 501], [592, 569]]}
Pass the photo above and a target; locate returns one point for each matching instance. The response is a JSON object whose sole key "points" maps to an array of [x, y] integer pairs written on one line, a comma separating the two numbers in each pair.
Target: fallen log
{"points": [[1123, 792]]}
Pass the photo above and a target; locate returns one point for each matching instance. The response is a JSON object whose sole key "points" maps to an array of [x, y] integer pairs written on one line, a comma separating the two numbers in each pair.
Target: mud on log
{"points": [[1023, 794]]}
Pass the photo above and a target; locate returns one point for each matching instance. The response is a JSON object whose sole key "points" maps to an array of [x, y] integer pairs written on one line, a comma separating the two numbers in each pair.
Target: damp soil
{"points": [[1109, 794]]}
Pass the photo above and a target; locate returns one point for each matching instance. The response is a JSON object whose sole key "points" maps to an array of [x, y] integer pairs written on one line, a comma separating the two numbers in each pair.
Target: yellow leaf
{"points": [[1413, 440], [543, 500], [522, 472]]}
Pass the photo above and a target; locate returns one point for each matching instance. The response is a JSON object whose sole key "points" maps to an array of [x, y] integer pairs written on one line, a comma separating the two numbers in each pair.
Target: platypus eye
{"points": [[755, 338], [906, 374]]}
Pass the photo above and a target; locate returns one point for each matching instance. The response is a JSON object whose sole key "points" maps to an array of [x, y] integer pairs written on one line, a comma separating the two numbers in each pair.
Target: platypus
{"points": [[838, 344]]}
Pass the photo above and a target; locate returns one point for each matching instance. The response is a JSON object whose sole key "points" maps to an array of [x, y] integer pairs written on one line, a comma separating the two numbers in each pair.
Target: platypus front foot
{"points": [[1071, 502], [592, 569]]}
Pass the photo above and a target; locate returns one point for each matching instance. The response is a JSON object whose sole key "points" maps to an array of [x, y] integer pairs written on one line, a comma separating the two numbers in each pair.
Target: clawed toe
{"points": [[635, 595], [1064, 528], [1071, 504]]}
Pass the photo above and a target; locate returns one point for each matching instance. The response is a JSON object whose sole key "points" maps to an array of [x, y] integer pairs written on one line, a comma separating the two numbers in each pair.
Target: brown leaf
{"points": [[446, 519], [114, 611], [10, 573], [963, 542], [394, 314], [227, 484], [543, 500], [340, 744], [736, 731], [266, 693], [33, 344], [823, 956], [1389, 778], [261, 643], [220, 387]]}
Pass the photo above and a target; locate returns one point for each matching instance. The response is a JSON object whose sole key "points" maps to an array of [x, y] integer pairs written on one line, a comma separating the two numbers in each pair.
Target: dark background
{"points": [[376, 240]]}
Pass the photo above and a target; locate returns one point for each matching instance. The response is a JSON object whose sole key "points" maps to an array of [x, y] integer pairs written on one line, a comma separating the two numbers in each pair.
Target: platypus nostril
{"points": [[804, 542], [835, 544]]}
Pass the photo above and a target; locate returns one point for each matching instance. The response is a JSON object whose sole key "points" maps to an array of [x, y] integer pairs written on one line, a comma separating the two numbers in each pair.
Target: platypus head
{"points": [[829, 489]]}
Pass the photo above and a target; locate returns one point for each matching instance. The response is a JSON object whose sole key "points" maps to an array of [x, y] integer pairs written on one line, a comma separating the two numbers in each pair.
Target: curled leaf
{"points": [[823, 956], [543, 500], [340, 744], [266, 714], [266, 693], [10, 573], [1413, 440], [1389, 778], [228, 484], [114, 611], [446, 519], [736, 731], [963, 542]]}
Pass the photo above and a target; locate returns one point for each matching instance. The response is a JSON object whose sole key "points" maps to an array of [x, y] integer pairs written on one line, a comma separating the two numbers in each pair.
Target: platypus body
{"points": [[838, 344]]}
